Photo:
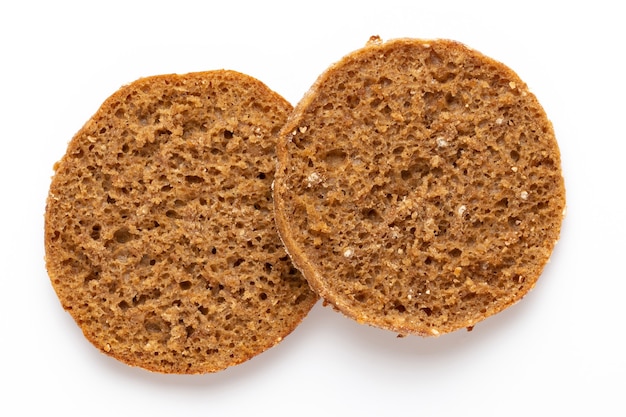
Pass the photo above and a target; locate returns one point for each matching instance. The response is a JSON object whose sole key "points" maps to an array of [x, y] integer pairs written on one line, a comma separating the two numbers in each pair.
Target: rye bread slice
{"points": [[159, 231], [419, 186]]}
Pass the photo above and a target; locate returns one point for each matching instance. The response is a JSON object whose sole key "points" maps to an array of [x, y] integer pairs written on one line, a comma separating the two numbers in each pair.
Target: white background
{"points": [[559, 351]]}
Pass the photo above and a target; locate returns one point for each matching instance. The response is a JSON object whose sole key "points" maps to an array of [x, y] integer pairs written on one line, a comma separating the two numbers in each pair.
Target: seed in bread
{"points": [[159, 231], [419, 186]]}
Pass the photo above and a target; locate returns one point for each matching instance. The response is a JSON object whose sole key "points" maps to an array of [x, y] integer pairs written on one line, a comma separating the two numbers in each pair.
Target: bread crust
{"points": [[419, 186], [159, 232]]}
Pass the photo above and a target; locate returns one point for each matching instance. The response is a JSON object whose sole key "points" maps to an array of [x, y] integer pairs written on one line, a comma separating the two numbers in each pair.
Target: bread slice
{"points": [[419, 186], [159, 232]]}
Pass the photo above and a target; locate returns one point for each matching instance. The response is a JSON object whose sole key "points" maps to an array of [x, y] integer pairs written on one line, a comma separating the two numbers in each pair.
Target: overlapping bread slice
{"points": [[159, 230], [419, 186]]}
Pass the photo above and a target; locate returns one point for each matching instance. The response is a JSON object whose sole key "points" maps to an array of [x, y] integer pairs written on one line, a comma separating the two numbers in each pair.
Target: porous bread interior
{"points": [[160, 239], [419, 186]]}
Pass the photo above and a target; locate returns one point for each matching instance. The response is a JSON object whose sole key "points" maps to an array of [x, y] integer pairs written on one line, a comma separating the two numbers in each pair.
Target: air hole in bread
{"points": [[400, 308], [417, 170], [467, 297], [361, 297], [185, 285], [93, 276], [228, 134], [433, 59], [437, 172], [95, 232], [194, 179], [145, 260], [353, 101], [153, 326], [139, 299], [122, 235], [162, 133], [455, 253], [504, 203], [514, 221], [372, 215], [375, 103], [299, 299], [453, 103], [189, 330], [335, 157], [442, 227], [426, 311], [384, 81], [275, 130]]}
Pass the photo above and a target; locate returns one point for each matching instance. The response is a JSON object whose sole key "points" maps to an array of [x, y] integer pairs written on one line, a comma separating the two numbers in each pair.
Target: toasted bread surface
{"points": [[159, 232], [419, 186]]}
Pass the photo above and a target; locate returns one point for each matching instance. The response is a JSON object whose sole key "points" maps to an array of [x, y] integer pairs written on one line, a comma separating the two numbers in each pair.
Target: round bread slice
{"points": [[419, 186], [159, 231]]}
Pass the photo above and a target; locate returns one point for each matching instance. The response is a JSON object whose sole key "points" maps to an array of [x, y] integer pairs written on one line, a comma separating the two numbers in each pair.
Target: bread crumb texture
{"points": [[159, 230], [419, 186]]}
